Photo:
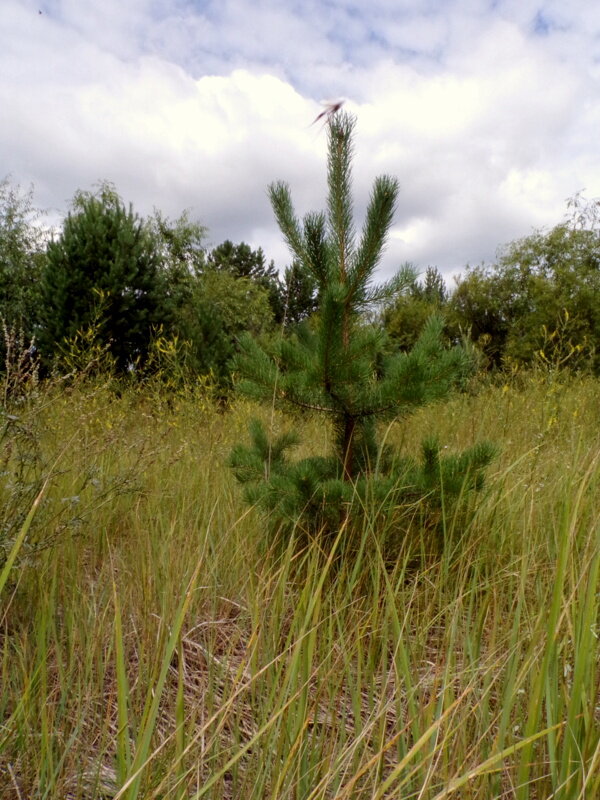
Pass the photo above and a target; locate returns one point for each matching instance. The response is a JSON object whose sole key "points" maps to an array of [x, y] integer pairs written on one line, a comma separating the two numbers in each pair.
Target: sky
{"points": [[487, 112]]}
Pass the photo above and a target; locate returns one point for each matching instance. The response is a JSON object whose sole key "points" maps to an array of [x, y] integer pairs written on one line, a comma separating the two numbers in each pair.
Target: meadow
{"points": [[156, 643]]}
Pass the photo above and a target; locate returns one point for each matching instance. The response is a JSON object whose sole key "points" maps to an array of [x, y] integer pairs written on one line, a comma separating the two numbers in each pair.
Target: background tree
{"points": [[299, 293], [340, 369], [241, 261], [483, 307], [432, 288], [104, 251], [210, 297], [512, 305], [406, 317], [222, 308], [22, 255], [179, 246]]}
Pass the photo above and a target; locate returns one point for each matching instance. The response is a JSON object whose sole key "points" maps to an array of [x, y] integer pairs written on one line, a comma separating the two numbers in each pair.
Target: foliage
{"points": [[22, 256], [241, 261], [22, 242], [179, 246], [433, 288], [209, 298], [87, 353], [300, 294], [220, 309], [511, 306], [340, 368], [103, 247], [480, 306], [406, 316], [558, 352]]}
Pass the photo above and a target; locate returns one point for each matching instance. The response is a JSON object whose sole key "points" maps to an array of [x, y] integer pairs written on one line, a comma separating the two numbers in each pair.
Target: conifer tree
{"points": [[341, 368], [104, 250], [299, 293]]}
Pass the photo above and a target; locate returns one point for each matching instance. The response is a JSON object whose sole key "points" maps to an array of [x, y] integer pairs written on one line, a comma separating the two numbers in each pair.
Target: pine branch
{"points": [[339, 180], [289, 224], [317, 248], [380, 213], [385, 292]]}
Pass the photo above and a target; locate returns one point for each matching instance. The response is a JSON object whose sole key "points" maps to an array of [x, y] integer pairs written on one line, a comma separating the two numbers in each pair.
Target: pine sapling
{"points": [[339, 366]]}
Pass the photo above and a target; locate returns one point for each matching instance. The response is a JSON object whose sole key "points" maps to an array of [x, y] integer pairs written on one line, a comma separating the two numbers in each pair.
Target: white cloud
{"points": [[488, 116]]}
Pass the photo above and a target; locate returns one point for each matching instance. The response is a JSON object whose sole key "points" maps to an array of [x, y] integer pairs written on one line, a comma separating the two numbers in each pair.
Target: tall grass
{"points": [[163, 648]]}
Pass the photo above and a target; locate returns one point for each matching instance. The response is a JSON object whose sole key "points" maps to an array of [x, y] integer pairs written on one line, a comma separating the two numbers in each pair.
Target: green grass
{"points": [[162, 647]]}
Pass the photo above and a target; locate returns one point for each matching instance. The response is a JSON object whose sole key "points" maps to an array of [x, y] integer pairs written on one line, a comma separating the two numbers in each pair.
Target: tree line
{"points": [[538, 302], [130, 279]]}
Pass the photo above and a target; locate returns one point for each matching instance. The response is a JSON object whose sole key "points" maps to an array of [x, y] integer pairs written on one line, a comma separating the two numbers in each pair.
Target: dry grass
{"points": [[161, 648]]}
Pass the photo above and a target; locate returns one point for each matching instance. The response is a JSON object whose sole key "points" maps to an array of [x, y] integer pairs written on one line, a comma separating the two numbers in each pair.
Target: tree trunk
{"points": [[348, 447]]}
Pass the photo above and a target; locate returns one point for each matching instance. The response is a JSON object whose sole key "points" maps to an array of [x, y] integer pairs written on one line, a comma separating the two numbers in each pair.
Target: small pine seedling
{"points": [[339, 366]]}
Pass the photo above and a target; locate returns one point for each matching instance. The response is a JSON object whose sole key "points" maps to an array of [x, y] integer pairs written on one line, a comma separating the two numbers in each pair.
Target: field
{"points": [[155, 643]]}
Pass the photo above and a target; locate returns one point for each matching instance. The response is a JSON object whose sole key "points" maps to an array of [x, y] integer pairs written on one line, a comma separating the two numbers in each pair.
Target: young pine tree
{"points": [[339, 366], [104, 250]]}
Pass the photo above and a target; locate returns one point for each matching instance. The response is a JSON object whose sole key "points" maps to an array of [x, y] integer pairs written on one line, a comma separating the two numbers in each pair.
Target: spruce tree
{"points": [[340, 367]]}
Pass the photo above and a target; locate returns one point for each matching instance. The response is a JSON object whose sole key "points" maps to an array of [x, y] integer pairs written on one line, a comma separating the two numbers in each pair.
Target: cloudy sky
{"points": [[487, 111]]}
